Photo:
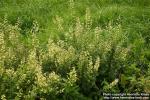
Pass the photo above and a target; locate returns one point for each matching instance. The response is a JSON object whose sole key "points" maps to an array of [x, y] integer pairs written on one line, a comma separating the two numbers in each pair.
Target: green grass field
{"points": [[73, 49]]}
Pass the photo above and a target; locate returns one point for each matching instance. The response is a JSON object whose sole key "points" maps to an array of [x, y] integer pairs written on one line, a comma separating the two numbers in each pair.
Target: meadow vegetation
{"points": [[73, 49]]}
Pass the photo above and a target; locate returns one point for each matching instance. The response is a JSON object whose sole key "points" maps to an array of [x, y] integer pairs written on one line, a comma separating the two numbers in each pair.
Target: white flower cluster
{"points": [[2, 49], [61, 54]]}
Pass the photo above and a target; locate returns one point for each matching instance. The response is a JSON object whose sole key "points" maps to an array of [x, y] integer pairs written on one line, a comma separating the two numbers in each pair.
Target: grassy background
{"points": [[134, 14]]}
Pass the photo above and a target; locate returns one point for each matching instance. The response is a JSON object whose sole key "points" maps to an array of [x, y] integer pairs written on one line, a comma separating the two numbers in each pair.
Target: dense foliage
{"points": [[79, 58]]}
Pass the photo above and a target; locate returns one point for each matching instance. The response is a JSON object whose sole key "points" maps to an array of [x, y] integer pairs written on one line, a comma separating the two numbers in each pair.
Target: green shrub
{"points": [[80, 62]]}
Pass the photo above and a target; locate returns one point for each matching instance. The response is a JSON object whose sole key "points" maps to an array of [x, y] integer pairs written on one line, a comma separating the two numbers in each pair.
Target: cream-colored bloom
{"points": [[72, 76], [10, 72], [114, 83], [58, 21], [97, 64], [2, 49], [88, 19], [3, 97], [78, 28]]}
